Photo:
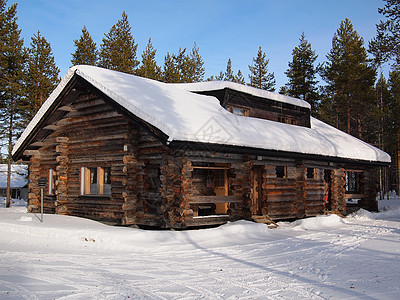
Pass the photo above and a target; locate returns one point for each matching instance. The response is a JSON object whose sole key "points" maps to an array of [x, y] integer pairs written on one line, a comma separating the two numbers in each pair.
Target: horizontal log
{"points": [[214, 199], [65, 108], [355, 196], [206, 220], [31, 152], [51, 127]]}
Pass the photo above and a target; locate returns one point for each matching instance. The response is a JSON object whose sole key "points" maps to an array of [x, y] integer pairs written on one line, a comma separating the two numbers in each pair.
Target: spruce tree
{"points": [[12, 60], [259, 75], [42, 75], [85, 52], [350, 80], [118, 49], [149, 68], [302, 74]]}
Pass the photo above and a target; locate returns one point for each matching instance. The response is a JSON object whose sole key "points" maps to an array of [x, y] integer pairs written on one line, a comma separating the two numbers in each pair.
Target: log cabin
{"points": [[127, 150]]}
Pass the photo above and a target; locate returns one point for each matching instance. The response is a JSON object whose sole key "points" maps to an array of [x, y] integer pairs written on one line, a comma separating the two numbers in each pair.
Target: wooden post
{"points": [[62, 175]]}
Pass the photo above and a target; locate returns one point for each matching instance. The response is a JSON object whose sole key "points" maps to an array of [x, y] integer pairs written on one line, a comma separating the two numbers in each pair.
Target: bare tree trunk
{"points": [[398, 165], [9, 160], [348, 114]]}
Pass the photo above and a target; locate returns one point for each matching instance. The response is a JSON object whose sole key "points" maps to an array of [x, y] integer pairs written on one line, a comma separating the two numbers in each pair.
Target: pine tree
{"points": [[302, 74], [42, 75], [228, 75], [183, 68], [259, 76], [170, 73], [196, 65], [118, 49], [239, 78], [386, 45], [85, 52], [12, 60], [149, 68], [175, 67], [350, 81], [393, 134]]}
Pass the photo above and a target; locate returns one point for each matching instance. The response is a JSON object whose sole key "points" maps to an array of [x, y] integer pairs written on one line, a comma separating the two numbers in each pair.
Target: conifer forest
{"points": [[348, 90]]}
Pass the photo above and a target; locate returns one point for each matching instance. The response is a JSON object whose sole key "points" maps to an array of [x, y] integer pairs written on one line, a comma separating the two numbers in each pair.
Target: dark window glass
{"points": [[280, 172], [310, 173]]}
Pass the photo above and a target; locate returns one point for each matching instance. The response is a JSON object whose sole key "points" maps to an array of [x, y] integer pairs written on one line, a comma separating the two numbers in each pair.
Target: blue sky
{"points": [[222, 29]]}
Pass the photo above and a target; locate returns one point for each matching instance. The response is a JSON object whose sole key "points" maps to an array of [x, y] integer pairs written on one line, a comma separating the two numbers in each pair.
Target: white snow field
{"points": [[325, 257]]}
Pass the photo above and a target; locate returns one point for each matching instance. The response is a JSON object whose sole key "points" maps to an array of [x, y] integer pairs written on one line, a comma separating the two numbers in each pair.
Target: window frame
{"points": [[51, 181], [244, 111], [101, 181], [284, 170], [310, 173], [353, 184]]}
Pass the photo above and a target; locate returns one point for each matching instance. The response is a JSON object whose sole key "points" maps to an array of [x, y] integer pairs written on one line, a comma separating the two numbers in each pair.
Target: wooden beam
{"points": [[213, 199], [37, 144], [66, 108], [210, 168], [51, 127], [31, 152]]}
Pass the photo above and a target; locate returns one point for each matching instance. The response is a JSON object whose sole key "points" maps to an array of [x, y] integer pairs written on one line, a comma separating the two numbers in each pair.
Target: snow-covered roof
{"points": [[187, 116], [220, 85], [19, 175]]}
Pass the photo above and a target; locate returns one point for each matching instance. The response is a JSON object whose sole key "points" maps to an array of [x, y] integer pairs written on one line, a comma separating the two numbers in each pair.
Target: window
{"points": [[281, 172], [210, 184], [51, 182], [353, 182], [283, 119], [240, 111], [96, 181], [153, 178], [287, 120], [310, 173]]}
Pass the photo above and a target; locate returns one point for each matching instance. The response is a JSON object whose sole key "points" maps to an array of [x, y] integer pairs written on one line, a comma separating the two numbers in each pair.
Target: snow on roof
{"points": [[186, 116], [18, 176], [220, 85]]}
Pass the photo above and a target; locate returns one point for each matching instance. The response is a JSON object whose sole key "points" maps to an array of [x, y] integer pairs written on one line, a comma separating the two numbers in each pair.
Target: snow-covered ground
{"points": [[326, 257]]}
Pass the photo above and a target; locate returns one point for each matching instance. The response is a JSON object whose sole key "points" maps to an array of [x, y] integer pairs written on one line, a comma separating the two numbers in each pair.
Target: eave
{"points": [[182, 145]]}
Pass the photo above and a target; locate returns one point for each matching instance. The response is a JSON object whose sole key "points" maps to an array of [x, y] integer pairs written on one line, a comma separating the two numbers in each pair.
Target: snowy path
{"points": [[317, 258]]}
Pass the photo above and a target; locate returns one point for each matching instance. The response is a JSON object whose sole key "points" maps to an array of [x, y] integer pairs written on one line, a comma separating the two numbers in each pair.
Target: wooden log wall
{"points": [[240, 187], [281, 193], [34, 190], [173, 206], [338, 202], [88, 136], [315, 189], [143, 203], [370, 188], [62, 168]]}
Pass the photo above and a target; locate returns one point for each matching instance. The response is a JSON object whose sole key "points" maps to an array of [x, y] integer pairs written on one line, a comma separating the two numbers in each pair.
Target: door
{"points": [[328, 189], [256, 191]]}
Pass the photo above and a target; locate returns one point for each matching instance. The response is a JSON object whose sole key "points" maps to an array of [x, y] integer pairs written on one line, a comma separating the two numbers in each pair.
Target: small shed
{"points": [[128, 150], [19, 181]]}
